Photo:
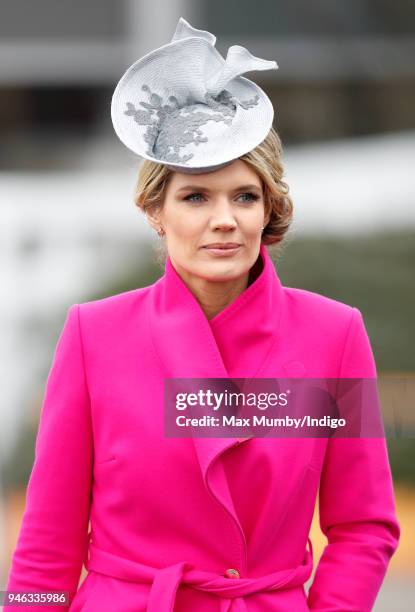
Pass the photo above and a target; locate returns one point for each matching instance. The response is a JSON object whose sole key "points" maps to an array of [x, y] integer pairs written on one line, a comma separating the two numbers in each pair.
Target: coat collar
{"points": [[232, 344], [235, 343]]}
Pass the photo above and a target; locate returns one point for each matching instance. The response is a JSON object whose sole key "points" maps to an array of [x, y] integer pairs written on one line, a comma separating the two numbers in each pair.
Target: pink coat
{"points": [[169, 516]]}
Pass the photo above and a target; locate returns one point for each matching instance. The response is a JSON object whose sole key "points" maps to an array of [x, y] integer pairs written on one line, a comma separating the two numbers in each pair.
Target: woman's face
{"points": [[224, 206]]}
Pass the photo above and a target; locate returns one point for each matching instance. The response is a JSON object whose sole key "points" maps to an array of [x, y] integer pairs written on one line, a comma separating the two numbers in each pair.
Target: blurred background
{"points": [[344, 99]]}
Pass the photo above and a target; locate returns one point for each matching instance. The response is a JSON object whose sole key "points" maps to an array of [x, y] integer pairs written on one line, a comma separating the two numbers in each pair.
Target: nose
{"points": [[223, 216]]}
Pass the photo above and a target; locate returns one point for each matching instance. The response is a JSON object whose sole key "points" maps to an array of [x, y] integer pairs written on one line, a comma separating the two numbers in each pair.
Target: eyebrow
{"points": [[201, 188]]}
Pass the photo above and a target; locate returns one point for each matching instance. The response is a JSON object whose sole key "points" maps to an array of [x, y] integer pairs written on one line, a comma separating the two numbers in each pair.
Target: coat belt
{"points": [[165, 581]]}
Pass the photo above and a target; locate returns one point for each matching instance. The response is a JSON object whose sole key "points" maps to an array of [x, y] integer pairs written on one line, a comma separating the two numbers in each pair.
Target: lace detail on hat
{"points": [[171, 127]]}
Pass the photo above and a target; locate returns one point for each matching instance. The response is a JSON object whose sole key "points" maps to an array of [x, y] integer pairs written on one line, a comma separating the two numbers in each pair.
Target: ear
{"points": [[267, 214], [267, 218], [154, 216]]}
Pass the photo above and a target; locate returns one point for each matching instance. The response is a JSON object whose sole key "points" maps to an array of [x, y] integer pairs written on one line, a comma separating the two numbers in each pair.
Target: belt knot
{"points": [[165, 581]]}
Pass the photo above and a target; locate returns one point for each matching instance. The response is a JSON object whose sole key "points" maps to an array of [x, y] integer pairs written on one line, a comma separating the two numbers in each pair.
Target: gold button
{"points": [[232, 573]]}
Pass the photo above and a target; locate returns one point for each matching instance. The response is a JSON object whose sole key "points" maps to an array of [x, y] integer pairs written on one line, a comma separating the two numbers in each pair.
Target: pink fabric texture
{"points": [[157, 521]]}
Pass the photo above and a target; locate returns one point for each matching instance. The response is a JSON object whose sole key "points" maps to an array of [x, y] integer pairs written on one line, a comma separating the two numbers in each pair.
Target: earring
{"points": [[262, 228], [160, 232]]}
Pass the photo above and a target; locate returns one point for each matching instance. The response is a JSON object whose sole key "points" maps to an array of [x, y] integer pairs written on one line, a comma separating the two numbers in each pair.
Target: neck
{"points": [[214, 296]]}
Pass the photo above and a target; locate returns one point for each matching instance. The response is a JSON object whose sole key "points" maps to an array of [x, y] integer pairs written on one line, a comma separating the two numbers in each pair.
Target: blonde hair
{"points": [[265, 159]]}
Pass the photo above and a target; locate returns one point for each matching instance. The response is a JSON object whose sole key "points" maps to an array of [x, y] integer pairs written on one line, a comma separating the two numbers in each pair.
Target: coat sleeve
{"points": [[53, 538], [356, 504]]}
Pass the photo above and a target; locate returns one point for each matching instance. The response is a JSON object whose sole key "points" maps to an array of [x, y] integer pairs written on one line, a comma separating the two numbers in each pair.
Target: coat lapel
{"points": [[234, 344]]}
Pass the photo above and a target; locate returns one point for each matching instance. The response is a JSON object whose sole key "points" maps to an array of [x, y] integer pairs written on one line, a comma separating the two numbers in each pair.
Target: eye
{"points": [[252, 197], [188, 198]]}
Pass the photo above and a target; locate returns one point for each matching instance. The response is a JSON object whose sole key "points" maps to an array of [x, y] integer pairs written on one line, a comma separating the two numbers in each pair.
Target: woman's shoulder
{"points": [[314, 306], [116, 307]]}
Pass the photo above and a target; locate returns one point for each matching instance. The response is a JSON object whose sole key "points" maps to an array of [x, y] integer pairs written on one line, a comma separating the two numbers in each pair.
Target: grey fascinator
{"points": [[185, 106]]}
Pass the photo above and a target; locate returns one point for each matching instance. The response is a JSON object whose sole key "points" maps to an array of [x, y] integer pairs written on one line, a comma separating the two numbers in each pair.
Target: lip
{"points": [[222, 245], [223, 251]]}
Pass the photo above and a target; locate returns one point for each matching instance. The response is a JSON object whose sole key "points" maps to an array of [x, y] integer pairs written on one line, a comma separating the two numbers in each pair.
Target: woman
{"points": [[202, 523]]}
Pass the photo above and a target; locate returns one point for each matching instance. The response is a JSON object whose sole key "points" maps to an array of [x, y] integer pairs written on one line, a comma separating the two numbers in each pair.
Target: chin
{"points": [[223, 271]]}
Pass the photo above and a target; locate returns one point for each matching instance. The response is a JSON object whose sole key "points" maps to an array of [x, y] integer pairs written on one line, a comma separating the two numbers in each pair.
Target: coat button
{"points": [[232, 573]]}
